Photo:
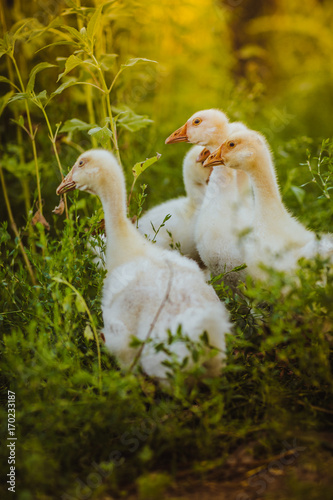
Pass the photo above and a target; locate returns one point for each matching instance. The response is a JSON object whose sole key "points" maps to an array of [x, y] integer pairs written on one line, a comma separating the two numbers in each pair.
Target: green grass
{"points": [[84, 428], [277, 383]]}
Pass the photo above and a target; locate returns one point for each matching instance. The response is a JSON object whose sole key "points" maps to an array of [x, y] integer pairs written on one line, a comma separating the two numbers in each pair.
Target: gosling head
{"points": [[239, 151], [89, 172], [204, 128]]}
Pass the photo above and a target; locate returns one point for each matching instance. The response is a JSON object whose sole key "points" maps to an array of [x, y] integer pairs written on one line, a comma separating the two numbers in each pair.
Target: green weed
{"points": [[80, 76]]}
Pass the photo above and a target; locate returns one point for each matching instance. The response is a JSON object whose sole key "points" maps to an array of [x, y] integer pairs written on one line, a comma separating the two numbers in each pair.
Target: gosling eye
{"points": [[81, 163], [231, 144], [197, 121]]}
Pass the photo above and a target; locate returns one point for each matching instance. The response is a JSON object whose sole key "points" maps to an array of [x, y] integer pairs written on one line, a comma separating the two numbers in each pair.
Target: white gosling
{"points": [[183, 210], [226, 212], [148, 290], [278, 240]]}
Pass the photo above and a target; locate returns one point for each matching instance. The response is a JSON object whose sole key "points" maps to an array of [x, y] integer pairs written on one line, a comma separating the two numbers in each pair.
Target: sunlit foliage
{"points": [[123, 75]]}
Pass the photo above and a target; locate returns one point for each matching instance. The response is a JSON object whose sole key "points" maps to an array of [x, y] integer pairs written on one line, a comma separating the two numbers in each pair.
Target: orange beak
{"points": [[179, 135], [203, 155], [67, 184], [216, 158]]}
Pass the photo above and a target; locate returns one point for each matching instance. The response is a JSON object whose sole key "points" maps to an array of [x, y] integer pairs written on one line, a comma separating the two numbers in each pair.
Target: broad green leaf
{"points": [[204, 338], [19, 96], [6, 44], [94, 23], [33, 73], [74, 124], [55, 23], [324, 196], [132, 62], [137, 122], [19, 122], [126, 118], [3, 48], [80, 304], [88, 333], [74, 10], [64, 42], [143, 165], [4, 101], [107, 61], [135, 342], [72, 62], [299, 193], [67, 303], [42, 95], [6, 80], [102, 135], [23, 30], [239, 268], [75, 33], [70, 82]]}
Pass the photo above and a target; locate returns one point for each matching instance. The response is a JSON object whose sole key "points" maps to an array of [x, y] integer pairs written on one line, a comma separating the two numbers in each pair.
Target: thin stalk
{"points": [[26, 194], [18, 129], [78, 18], [130, 196], [14, 228], [113, 127], [53, 139], [32, 137], [20, 143], [88, 90], [24, 181], [108, 103], [91, 112]]}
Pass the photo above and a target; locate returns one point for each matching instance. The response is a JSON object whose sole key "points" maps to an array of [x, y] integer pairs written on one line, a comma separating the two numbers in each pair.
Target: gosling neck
{"points": [[124, 243], [195, 193], [268, 201], [195, 186]]}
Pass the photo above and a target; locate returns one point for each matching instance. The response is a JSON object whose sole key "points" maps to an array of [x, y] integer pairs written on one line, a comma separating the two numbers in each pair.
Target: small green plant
{"points": [[140, 200], [321, 168], [174, 245], [137, 170]]}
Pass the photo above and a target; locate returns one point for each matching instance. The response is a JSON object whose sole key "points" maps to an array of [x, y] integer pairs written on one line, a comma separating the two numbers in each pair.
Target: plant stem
{"points": [[113, 127], [130, 196], [24, 180], [32, 137], [53, 139], [91, 112], [14, 228], [78, 18], [109, 109], [18, 129]]}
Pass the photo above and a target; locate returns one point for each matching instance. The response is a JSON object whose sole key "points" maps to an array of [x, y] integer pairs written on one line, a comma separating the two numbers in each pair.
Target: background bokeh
{"points": [[266, 63]]}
